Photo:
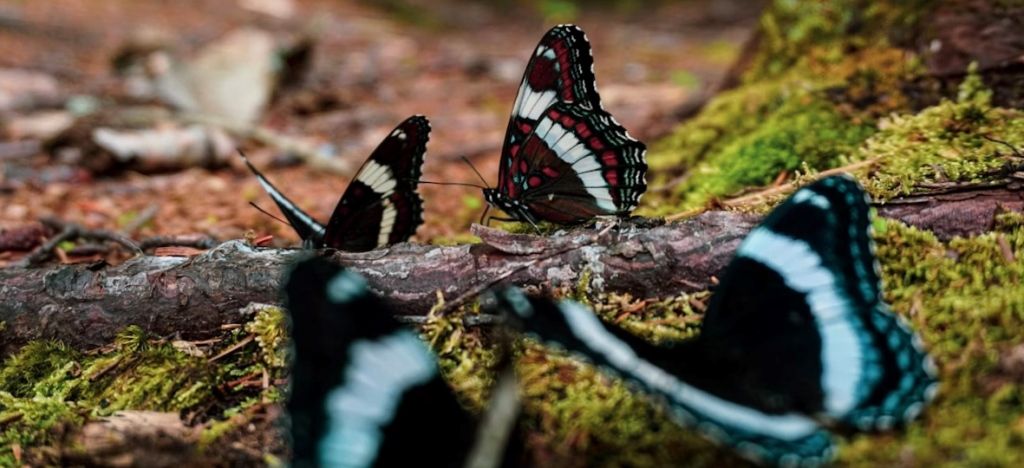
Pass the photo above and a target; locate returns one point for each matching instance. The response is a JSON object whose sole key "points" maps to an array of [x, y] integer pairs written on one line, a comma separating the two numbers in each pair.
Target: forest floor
{"points": [[459, 63]]}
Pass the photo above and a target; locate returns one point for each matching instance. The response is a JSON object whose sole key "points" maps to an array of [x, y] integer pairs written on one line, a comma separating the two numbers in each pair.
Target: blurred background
{"points": [[126, 114]]}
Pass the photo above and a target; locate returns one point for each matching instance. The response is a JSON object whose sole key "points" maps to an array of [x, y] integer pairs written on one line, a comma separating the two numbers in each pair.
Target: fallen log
{"points": [[85, 306]]}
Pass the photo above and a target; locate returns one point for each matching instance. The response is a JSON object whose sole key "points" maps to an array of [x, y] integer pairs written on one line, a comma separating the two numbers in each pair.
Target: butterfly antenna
{"points": [[471, 166], [461, 184], [261, 210]]}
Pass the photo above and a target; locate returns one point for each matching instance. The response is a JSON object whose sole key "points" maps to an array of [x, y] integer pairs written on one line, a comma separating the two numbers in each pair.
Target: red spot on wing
{"points": [[513, 150], [534, 181], [567, 121], [609, 159], [582, 130], [611, 177], [596, 144], [543, 75], [525, 127], [549, 171], [562, 53], [522, 166]]}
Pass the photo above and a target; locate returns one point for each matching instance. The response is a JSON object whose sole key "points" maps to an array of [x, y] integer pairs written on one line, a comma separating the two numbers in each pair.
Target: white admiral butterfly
{"points": [[796, 338], [366, 391], [565, 159], [380, 207]]}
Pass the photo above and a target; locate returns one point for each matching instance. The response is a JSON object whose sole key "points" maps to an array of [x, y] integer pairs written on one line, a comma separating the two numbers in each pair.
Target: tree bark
{"points": [[86, 305]]}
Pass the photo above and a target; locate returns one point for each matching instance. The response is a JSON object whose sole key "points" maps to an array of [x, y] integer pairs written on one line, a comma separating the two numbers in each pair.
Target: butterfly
{"points": [[796, 338], [366, 390], [565, 159], [380, 207]]}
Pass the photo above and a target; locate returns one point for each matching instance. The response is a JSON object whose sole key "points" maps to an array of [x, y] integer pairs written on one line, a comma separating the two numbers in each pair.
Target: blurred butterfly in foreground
{"points": [[796, 338], [366, 391], [380, 206], [565, 159]]}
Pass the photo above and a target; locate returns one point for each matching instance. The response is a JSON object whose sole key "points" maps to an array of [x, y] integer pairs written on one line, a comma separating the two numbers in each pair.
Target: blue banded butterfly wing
{"points": [[663, 372], [796, 336], [805, 284], [365, 391], [381, 206], [596, 169], [304, 225]]}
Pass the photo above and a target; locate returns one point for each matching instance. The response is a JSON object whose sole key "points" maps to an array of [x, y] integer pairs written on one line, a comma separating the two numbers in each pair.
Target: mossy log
{"points": [[85, 306]]}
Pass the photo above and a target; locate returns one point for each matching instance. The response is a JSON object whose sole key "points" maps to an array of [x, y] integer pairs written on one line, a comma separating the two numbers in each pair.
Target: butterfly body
{"points": [[796, 339], [380, 207], [565, 159]]}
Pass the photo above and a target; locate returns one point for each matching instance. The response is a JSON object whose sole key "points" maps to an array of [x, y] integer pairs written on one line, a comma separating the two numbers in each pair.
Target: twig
{"points": [[1016, 151], [67, 231], [777, 190], [233, 348], [13, 417], [44, 251]]}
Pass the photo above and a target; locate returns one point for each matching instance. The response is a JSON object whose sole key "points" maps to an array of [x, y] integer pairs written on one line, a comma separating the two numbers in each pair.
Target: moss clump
{"points": [[964, 297], [799, 134], [802, 34], [268, 326], [823, 76], [659, 321], [963, 141], [47, 384], [465, 356], [577, 416]]}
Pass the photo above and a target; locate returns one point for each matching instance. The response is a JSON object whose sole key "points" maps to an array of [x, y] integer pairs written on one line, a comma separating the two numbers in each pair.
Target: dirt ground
{"points": [[373, 64]]}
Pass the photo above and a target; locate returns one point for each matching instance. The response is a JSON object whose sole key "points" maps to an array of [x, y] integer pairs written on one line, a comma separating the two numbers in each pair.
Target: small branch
{"points": [[68, 231], [45, 251], [233, 348]]}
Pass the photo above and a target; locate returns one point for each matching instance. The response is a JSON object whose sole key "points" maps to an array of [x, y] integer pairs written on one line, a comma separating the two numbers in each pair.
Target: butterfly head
{"points": [[512, 207]]}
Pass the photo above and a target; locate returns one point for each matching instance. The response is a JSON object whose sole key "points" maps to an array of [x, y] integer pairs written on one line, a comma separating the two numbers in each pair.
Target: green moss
{"points": [[268, 326], [46, 384], [823, 75], [963, 141], [660, 321], [580, 417], [806, 34], [964, 297], [810, 134], [465, 356], [455, 239]]}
